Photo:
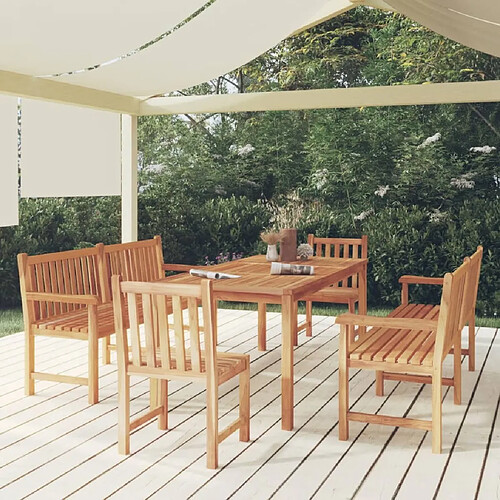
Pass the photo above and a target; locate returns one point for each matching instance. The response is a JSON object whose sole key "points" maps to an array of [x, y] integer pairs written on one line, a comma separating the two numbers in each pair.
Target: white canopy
{"points": [[201, 38]]}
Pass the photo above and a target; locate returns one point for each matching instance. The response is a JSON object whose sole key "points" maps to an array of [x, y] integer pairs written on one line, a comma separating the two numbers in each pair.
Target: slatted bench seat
{"points": [[402, 346], [68, 295]]}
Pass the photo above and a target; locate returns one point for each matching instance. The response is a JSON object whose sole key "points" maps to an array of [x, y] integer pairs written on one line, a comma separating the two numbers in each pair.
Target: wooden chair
{"points": [[163, 355], [469, 311], [406, 346], [344, 292]]}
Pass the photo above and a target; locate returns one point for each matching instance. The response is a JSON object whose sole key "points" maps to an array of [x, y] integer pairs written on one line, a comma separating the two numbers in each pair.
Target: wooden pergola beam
{"points": [[355, 97]]}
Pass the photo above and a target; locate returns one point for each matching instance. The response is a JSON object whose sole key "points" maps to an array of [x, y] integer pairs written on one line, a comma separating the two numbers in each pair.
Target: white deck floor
{"points": [[54, 445]]}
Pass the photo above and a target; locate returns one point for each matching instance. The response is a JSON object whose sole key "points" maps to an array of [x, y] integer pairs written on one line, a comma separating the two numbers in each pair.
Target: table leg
{"points": [[262, 326], [295, 312], [287, 322]]}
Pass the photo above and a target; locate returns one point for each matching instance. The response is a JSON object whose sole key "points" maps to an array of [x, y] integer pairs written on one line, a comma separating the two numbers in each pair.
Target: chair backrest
{"points": [[75, 272], [135, 261], [450, 310], [164, 346], [471, 287], [344, 248]]}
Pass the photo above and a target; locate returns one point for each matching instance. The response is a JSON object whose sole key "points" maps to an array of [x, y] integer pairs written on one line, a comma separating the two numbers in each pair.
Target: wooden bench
{"points": [[411, 349], [68, 295], [468, 315], [64, 295]]}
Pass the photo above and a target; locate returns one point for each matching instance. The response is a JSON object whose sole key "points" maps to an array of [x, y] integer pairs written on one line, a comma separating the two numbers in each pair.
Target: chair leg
{"points": [[93, 357], [457, 370], [123, 412], [163, 399], [343, 385], [379, 383], [106, 358], [437, 431], [309, 313], [245, 404], [212, 427], [472, 343], [261, 340], [154, 388], [214, 314], [29, 363]]}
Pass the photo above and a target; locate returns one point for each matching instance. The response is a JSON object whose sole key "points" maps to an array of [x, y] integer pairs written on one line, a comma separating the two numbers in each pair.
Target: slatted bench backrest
{"points": [[136, 261], [74, 272], [452, 299], [471, 287]]}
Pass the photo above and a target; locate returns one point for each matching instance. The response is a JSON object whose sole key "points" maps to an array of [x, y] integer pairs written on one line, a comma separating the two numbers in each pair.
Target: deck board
{"points": [[54, 445]]}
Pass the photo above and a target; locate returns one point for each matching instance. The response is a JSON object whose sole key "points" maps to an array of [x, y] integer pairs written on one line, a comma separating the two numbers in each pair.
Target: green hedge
{"points": [[402, 240]]}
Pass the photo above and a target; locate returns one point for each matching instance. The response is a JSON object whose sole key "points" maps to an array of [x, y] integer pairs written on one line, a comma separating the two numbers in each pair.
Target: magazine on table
{"points": [[281, 268], [211, 274]]}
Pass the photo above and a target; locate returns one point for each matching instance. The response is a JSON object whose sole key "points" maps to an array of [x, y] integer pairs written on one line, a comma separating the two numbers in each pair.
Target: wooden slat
{"points": [[180, 348], [194, 334], [411, 423], [135, 334], [148, 330], [163, 326]]}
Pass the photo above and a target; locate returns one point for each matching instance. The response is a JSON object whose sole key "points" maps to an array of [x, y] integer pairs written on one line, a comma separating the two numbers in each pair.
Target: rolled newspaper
{"points": [[280, 268], [211, 275]]}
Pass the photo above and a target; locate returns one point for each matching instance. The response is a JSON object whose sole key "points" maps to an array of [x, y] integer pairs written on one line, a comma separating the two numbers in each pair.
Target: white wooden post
{"points": [[129, 178]]}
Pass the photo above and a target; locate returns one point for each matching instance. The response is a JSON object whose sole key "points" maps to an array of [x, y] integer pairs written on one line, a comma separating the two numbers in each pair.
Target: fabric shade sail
{"points": [[225, 36], [69, 151], [474, 23], [55, 36], [202, 38], [8, 162]]}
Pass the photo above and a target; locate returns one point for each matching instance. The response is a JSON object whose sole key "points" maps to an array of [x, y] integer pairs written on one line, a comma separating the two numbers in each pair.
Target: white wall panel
{"points": [[8, 162], [69, 151]]}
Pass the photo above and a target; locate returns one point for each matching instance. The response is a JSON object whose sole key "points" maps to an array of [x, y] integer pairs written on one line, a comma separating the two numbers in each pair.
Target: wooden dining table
{"points": [[256, 284]]}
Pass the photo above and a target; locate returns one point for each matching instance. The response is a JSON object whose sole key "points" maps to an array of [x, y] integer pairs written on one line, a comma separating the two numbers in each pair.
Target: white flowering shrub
{"points": [[482, 149], [430, 140]]}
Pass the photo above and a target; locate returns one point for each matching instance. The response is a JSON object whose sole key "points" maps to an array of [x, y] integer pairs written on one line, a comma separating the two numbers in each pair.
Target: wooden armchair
{"points": [[469, 310], [344, 292], [161, 354], [406, 346]]}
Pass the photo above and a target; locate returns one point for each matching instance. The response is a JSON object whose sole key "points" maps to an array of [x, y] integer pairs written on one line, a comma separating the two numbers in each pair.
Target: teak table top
{"points": [[256, 278]]}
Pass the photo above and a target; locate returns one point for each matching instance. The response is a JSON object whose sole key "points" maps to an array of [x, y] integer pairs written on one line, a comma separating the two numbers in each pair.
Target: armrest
{"points": [[384, 322], [420, 280], [61, 297], [177, 267]]}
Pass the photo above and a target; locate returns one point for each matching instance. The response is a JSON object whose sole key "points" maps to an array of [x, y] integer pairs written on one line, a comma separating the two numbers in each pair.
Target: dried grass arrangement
{"points": [[271, 238]]}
